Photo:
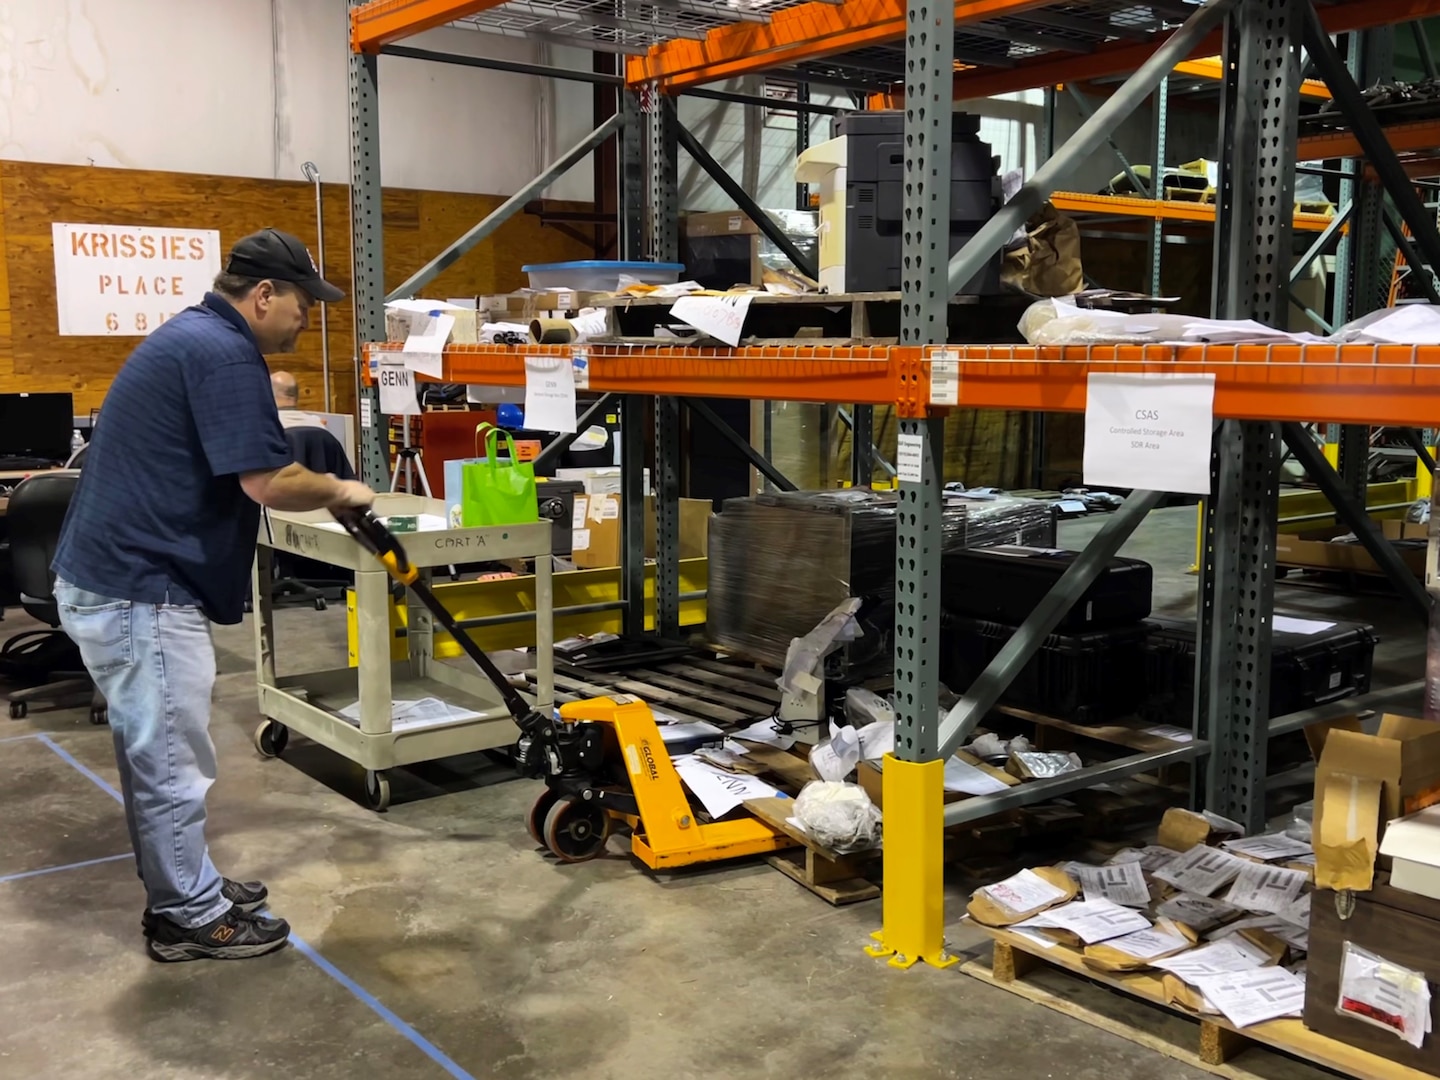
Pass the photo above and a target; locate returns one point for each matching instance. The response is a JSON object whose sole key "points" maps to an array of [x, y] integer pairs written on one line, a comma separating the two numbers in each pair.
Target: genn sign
{"points": [[125, 280]]}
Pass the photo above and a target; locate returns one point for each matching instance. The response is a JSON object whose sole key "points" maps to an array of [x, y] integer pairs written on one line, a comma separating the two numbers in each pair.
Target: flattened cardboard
{"points": [[988, 913], [1347, 835]]}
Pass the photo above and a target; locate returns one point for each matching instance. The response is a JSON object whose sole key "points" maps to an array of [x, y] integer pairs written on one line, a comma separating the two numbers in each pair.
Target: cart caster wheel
{"points": [[18, 709], [100, 716], [377, 790], [576, 830], [270, 738], [319, 603], [249, 607], [535, 820]]}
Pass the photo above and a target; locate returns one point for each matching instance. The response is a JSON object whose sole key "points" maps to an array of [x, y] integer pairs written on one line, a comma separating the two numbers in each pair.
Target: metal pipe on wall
{"points": [[312, 173]]}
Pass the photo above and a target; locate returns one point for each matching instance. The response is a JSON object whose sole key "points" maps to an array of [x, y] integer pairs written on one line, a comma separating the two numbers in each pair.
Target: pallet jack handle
{"points": [[371, 534]]}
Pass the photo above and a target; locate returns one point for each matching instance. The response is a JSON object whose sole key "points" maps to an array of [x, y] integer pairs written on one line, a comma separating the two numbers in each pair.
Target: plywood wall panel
{"points": [[34, 357]]}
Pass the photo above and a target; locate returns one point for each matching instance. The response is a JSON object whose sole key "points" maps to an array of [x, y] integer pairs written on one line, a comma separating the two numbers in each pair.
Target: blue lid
{"points": [[600, 264]]}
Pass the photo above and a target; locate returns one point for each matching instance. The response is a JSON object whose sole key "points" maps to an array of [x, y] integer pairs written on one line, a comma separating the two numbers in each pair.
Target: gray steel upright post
{"points": [[1161, 107], [367, 253], [665, 247], [633, 407], [1252, 257]]}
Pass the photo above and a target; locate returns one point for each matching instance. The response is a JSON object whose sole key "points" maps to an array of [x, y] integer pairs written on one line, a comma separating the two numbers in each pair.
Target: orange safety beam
{"points": [[380, 22], [1073, 202], [1349, 384], [806, 32], [1403, 138]]}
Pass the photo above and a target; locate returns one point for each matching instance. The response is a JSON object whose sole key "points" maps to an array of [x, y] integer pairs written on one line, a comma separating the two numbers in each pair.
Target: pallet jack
{"points": [[603, 761]]}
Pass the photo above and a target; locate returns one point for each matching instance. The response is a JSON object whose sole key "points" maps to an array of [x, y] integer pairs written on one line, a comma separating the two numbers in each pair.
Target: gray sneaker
{"points": [[247, 896], [236, 935]]}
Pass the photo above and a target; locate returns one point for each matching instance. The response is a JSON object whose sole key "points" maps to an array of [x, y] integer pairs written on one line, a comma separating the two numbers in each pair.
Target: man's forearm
{"points": [[297, 488]]}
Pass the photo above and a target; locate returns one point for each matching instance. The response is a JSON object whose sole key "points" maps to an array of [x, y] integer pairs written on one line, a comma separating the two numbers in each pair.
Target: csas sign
{"points": [[125, 280]]}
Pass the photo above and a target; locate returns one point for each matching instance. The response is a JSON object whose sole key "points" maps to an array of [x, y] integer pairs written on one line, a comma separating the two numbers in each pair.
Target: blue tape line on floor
{"points": [[67, 866], [430, 1050], [20, 738], [307, 950]]}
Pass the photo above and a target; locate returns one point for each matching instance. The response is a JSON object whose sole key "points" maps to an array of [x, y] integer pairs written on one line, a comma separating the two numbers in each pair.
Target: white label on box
{"points": [[580, 540], [565, 301], [1291, 625], [1335, 680], [944, 378], [597, 507], [909, 458], [365, 411], [609, 509], [125, 280], [577, 514], [1150, 432], [733, 223], [397, 387]]}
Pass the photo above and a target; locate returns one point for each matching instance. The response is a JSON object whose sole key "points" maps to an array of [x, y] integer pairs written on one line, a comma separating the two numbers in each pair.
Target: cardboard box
{"points": [[1413, 845], [596, 541], [870, 776], [1315, 550], [1399, 926], [1403, 757], [1396, 529]]}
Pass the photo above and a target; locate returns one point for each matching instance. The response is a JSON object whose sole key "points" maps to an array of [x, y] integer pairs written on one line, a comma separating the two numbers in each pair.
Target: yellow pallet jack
{"points": [[603, 761]]}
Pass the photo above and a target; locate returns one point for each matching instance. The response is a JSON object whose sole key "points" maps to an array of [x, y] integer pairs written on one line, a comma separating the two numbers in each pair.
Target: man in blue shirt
{"points": [[158, 544]]}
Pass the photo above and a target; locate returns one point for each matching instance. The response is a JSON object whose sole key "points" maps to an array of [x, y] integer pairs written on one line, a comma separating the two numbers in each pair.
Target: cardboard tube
{"points": [[551, 331]]}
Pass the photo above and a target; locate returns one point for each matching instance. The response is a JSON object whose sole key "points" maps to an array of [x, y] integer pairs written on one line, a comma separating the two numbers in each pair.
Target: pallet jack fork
{"points": [[603, 761]]}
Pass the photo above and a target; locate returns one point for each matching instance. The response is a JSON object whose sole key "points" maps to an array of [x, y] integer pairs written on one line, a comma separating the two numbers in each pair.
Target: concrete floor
{"points": [[435, 940]]}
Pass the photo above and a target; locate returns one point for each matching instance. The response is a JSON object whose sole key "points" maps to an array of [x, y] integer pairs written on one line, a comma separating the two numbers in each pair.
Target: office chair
{"points": [[36, 513], [298, 579]]}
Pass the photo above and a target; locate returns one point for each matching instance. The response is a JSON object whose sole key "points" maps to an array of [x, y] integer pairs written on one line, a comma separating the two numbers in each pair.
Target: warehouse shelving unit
{"points": [[941, 53]]}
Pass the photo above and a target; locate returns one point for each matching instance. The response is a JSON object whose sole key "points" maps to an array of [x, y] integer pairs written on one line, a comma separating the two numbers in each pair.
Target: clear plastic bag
{"points": [[1385, 995], [840, 817]]}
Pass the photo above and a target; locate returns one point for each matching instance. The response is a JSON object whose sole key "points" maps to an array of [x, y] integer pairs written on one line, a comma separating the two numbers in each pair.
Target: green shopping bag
{"points": [[496, 492]]}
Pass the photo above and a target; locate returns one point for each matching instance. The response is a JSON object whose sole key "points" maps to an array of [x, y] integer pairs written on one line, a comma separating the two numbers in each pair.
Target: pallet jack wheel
{"points": [[18, 709], [99, 715], [576, 830], [377, 790], [270, 738], [535, 820]]}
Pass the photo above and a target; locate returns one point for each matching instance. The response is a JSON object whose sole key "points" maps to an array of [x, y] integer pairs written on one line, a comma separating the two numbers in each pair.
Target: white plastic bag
{"points": [[840, 817]]}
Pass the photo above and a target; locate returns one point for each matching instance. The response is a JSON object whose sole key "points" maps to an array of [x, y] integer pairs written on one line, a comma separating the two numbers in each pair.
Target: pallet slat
{"points": [[1058, 979]]}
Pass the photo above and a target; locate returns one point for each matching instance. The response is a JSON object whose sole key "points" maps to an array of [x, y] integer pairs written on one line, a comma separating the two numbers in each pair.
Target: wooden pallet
{"points": [[830, 876], [721, 692], [1134, 1006]]}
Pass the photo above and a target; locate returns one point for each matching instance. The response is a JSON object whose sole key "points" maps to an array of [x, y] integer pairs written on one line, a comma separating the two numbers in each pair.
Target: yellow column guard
{"points": [[913, 794]]}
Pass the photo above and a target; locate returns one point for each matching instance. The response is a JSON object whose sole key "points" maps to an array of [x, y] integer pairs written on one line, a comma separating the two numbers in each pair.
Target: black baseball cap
{"points": [[278, 256]]}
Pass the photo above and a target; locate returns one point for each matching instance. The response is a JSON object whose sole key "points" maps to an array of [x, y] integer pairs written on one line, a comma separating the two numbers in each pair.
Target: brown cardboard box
{"points": [[1399, 926], [870, 777], [597, 533], [1314, 550], [1395, 529], [1403, 756]]}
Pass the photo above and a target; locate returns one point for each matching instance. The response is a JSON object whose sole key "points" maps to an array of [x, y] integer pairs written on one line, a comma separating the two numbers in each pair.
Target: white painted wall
{"points": [[256, 87]]}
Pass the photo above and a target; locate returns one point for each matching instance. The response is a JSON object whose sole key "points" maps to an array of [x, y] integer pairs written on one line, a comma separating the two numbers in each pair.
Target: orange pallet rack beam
{"points": [[1349, 384], [815, 30], [1073, 202], [381, 22]]}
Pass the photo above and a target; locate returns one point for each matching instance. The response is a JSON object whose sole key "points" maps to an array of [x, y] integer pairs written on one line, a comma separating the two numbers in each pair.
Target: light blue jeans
{"points": [[155, 664]]}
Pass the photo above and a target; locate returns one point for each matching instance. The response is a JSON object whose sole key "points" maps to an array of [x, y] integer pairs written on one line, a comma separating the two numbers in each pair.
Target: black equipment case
{"points": [[1004, 584], [1310, 664], [1088, 677]]}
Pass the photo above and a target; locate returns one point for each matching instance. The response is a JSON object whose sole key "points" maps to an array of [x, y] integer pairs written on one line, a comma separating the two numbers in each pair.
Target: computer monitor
{"points": [[36, 425]]}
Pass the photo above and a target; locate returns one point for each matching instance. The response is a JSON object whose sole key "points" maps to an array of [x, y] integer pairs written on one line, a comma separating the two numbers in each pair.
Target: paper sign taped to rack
{"points": [[944, 377], [1149, 431], [909, 458], [549, 394], [397, 386]]}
